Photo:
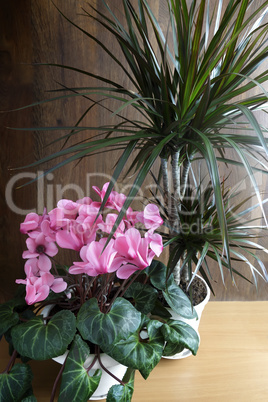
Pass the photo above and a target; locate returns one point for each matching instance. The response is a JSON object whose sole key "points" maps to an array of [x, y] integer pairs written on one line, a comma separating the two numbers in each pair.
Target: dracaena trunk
{"points": [[173, 203]]}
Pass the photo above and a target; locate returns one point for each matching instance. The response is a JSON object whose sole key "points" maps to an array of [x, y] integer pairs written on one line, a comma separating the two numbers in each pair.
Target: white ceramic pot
{"points": [[106, 381], [193, 322]]}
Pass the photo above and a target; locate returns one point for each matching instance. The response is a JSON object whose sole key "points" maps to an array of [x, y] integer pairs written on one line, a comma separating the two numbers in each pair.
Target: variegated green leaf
{"points": [[144, 296], [178, 301], [179, 335], [142, 350], [41, 341], [105, 329], [157, 272], [13, 385], [122, 393], [77, 384], [8, 317]]}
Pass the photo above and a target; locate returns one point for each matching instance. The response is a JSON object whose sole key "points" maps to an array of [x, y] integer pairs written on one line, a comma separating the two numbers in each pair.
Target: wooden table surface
{"points": [[231, 364]]}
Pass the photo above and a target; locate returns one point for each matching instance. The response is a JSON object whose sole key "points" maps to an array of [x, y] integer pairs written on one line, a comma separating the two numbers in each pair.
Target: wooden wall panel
{"points": [[35, 32]]}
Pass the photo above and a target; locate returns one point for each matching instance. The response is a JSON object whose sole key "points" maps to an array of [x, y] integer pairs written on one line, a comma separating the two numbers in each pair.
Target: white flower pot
{"points": [[106, 381], [193, 322]]}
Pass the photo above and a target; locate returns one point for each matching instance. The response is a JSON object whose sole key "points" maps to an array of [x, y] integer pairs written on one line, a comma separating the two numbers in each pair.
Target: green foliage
{"points": [[77, 384], [105, 329], [122, 330], [122, 393], [191, 90], [144, 296], [178, 336], [15, 383], [8, 317], [177, 300], [29, 399], [173, 295], [41, 341], [138, 353], [198, 237]]}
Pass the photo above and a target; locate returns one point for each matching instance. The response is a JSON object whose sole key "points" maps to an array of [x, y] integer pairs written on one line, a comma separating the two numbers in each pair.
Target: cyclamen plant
{"points": [[106, 301], [80, 226]]}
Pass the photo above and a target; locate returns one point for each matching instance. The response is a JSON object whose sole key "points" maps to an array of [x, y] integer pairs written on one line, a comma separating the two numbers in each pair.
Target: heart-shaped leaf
{"points": [[179, 335], [105, 329], [8, 317], [13, 385], [41, 341], [160, 311], [139, 352], [77, 385], [178, 301], [157, 272], [144, 296], [122, 393]]}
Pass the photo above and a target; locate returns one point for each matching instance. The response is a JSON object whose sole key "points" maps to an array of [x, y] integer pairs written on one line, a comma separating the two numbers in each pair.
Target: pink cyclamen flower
{"points": [[40, 247], [133, 253], [31, 267], [96, 260], [131, 218], [31, 222], [102, 192], [76, 235], [84, 201], [38, 288], [69, 208], [89, 213], [150, 217], [107, 226], [57, 219], [117, 200], [155, 242]]}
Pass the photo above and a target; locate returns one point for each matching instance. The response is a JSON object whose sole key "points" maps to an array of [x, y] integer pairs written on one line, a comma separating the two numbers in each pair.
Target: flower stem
{"points": [[92, 363], [11, 362], [56, 381], [107, 371], [116, 295], [130, 282]]}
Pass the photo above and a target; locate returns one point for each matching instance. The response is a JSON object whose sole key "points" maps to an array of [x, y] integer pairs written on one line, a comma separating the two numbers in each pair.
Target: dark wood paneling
{"points": [[16, 80]]}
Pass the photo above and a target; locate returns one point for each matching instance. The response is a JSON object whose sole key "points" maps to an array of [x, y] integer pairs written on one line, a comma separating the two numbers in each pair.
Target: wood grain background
{"points": [[35, 32]]}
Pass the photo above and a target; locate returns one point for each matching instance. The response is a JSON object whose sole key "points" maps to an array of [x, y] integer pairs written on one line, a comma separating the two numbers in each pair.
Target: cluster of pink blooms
{"points": [[77, 226]]}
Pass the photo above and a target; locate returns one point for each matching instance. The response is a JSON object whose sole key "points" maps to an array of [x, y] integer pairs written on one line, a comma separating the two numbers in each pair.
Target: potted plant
{"points": [[184, 84], [102, 311]]}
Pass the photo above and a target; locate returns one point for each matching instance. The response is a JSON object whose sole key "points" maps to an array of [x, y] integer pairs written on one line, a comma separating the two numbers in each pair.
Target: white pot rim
{"points": [[206, 299]]}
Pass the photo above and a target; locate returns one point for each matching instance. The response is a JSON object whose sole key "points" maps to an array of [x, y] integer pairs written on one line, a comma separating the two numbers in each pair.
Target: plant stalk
{"points": [[56, 381], [109, 372], [11, 362]]}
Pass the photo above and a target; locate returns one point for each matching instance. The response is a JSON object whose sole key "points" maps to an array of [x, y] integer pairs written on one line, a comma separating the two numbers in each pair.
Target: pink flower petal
{"points": [[58, 285], [44, 263], [126, 271]]}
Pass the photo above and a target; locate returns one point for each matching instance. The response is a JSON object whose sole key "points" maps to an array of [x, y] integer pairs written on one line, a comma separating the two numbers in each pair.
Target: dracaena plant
{"points": [[196, 238], [191, 87], [107, 300]]}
